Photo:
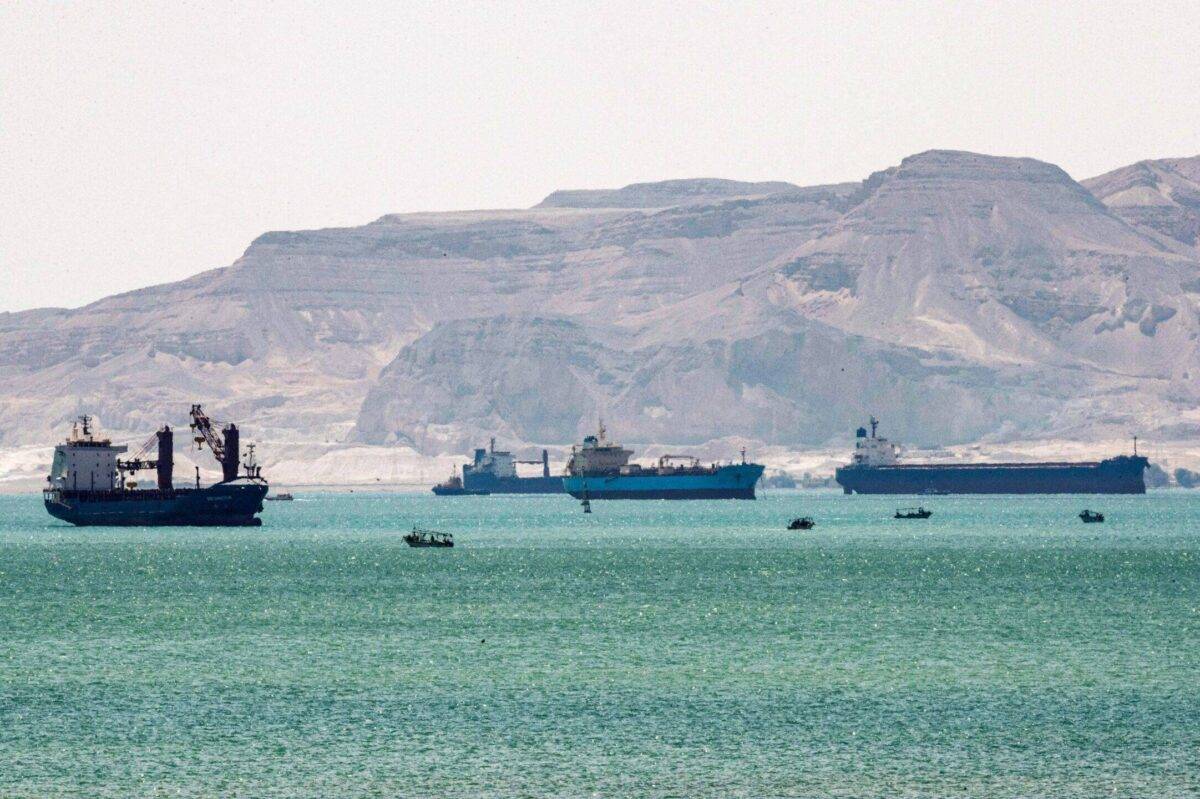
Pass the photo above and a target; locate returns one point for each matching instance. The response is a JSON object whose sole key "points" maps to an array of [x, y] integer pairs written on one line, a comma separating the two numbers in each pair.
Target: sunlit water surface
{"points": [[999, 649]]}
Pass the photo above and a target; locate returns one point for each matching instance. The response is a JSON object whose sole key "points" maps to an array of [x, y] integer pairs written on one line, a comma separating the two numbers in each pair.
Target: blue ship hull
{"points": [[486, 482], [232, 504], [1120, 475], [725, 482]]}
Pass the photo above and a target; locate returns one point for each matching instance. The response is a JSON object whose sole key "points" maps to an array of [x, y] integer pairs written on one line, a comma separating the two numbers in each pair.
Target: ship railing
{"points": [[116, 493], [691, 460]]}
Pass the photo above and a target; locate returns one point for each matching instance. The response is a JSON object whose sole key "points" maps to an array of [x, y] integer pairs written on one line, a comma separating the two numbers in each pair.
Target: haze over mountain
{"points": [[957, 296], [1161, 197]]}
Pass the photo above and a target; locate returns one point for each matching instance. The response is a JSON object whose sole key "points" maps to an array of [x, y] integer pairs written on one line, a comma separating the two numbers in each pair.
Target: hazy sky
{"points": [[144, 143]]}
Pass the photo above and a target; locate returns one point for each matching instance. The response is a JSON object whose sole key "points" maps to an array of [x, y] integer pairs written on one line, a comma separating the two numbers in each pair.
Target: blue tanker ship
{"points": [[89, 482], [601, 470], [875, 469]]}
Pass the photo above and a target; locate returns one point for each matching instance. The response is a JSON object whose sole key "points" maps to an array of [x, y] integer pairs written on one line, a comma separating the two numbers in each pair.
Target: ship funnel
{"points": [[233, 455], [166, 458]]}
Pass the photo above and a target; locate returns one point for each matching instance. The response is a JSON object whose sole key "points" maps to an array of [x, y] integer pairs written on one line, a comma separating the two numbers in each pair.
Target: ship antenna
{"points": [[1135, 445], [602, 431], [874, 424]]}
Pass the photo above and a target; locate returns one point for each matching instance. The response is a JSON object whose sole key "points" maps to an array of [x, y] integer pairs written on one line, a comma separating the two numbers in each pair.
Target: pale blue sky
{"points": [[144, 143]]}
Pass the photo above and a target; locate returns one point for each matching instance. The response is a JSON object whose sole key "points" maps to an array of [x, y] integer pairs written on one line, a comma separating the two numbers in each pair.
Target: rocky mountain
{"points": [[664, 194], [1160, 197], [957, 296]]}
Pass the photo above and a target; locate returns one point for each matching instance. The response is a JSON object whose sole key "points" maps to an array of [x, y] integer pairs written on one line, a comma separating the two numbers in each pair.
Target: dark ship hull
{"points": [[457, 491], [230, 504], [486, 483], [494, 471], [1121, 475]]}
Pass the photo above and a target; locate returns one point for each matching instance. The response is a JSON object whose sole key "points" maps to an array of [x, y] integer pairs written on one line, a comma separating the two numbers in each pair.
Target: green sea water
{"points": [[696, 649]]}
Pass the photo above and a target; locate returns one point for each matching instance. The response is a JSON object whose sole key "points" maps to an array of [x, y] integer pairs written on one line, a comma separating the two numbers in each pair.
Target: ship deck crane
{"points": [[163, 464], [544, 462], [205, 432], [223, 443], [139, 461]]}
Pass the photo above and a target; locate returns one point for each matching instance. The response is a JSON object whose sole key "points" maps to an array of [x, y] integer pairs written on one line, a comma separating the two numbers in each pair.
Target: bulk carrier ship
{"points": [[494, 471], [90, 485], [601, 470], [875, 468]]}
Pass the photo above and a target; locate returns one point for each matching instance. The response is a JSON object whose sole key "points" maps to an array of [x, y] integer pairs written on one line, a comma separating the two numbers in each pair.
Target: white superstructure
{"points": [[85, 462], [873, 450], [499, 463], [597, 455]]}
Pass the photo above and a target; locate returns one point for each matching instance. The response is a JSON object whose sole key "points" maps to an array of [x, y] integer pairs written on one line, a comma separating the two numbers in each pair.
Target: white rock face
{"points": [[1160, 197], [1010, 266], [959, 297]]}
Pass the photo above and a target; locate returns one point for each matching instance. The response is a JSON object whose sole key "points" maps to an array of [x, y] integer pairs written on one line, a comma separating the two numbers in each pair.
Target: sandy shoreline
{"points": [[332, 468]]}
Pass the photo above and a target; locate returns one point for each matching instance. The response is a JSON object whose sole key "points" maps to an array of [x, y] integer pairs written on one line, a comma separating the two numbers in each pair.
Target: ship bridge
{"points": [[873, 450]]}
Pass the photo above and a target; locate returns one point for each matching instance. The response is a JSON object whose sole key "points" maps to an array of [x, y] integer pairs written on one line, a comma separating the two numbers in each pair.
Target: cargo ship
{"points": [[875, 468], [90, 483], [494, 471], [599, 469]]}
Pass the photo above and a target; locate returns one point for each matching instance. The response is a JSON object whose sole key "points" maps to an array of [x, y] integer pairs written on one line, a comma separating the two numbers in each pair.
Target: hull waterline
{"points": [[726, 482], [232, 504], [1121, 475]]}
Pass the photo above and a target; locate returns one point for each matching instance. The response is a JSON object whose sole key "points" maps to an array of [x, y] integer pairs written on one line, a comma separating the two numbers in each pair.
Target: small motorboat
{"points": [[802, 523], [281, 497], [420, 537], [1091, 516], [453, 487], [913, 513]]}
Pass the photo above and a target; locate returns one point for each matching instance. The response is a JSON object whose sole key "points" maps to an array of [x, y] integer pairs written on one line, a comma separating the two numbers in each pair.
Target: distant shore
{"points": [[291, 466]]}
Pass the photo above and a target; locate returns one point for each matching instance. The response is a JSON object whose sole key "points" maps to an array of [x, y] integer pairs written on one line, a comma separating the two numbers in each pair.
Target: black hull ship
{"points": [[90, 485], [875, 469]]}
